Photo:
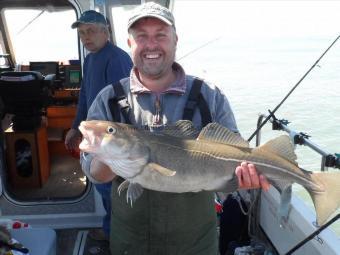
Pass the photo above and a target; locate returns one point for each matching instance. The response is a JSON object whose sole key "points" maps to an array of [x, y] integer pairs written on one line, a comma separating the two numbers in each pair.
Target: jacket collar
{"points": [[177, 87]]}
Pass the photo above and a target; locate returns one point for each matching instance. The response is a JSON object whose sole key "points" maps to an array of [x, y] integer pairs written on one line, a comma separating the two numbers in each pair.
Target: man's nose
{"points": [[152, 42]]}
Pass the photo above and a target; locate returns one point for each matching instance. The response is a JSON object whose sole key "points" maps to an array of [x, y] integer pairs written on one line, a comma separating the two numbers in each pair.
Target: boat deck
{"points": [[77, 241], [65, 181]]}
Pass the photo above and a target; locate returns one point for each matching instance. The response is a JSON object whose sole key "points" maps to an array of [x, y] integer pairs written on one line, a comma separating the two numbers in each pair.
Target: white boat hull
{"points": [[300, 224]]}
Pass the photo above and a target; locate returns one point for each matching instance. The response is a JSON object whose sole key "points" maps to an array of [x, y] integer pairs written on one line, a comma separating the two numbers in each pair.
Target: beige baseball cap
{"points": [[152, 9]]}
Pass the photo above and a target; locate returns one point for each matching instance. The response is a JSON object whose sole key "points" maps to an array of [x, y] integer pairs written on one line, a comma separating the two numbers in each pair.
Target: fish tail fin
{"points": [[327, 199]]}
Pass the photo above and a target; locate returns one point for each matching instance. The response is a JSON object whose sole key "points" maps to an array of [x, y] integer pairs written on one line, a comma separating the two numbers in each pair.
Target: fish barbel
{"points": [[177, 160]]}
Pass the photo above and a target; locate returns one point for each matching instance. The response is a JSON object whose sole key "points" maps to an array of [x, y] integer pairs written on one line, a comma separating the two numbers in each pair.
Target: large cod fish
{"points": [[179, 159]]}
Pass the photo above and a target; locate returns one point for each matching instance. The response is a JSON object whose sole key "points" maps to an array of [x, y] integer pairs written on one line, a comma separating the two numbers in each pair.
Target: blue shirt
{"points": [[107, 66]]}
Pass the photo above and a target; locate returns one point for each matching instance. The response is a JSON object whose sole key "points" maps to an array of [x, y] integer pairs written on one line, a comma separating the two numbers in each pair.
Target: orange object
{"points": [[27, 158], [61, 116]]}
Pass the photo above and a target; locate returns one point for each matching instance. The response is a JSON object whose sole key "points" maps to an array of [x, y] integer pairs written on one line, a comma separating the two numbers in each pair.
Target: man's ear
{"points": [[129, 42]]}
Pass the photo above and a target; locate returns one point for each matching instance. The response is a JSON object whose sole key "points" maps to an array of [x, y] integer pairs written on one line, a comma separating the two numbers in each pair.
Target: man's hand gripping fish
{"points": [[177, 160]]}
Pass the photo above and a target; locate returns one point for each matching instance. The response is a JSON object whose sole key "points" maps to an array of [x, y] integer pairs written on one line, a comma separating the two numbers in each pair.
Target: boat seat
{"points": [[39, 241], [26, 95]]}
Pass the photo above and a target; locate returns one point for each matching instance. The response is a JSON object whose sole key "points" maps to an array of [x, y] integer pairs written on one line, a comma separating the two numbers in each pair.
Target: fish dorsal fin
{"points": [[216, 133], [181, 129], [281, 146]]}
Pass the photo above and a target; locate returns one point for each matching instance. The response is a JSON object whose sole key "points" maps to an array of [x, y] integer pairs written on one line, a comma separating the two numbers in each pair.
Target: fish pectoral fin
{"points": [[160, 169], [134, 191]]}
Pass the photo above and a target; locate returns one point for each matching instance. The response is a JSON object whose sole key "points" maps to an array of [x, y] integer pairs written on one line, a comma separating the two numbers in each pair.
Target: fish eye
{"points": [[110, 130]]}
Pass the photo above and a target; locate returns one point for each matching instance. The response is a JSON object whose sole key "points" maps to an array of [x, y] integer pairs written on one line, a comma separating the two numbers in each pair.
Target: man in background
{"points": [[105, 64]]}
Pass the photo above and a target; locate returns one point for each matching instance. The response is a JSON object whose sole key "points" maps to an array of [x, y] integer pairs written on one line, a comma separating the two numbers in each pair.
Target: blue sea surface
{"points": [[257, 72], [255, 79]]}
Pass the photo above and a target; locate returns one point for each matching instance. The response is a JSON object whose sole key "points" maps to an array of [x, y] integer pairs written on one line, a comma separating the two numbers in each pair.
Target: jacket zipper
{"points": [[157, 119]]}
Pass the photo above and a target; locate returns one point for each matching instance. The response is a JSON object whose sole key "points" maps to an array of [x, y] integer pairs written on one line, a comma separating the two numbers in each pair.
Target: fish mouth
{"points": [[84, 145], [88, 141]]}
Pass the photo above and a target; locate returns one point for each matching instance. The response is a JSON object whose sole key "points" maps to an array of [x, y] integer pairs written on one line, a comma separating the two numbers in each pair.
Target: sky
{"points": [[260, 18], [203, 20], [207, 20]]}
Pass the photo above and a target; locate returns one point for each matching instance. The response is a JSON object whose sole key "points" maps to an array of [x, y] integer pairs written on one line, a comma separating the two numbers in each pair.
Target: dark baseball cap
{"points": [[154, 10], [90, 17]]}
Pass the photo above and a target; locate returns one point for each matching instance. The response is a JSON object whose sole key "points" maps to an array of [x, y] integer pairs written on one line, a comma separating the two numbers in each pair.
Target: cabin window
{"points": [[42, 35], [120, 16]]}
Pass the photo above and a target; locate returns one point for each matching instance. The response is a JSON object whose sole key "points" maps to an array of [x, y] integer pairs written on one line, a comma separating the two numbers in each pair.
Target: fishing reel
{"points": [[333, 160]]}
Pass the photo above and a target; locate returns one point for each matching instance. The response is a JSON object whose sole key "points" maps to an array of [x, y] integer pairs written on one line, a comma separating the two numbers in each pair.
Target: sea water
{"points": [[256, 69]]}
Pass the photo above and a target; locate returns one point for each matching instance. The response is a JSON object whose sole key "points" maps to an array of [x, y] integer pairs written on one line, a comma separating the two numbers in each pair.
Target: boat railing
{"points": [[300, 138]]}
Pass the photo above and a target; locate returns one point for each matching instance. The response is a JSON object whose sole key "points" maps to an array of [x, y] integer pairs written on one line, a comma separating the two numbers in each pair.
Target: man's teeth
{"points": [[152, 56]]}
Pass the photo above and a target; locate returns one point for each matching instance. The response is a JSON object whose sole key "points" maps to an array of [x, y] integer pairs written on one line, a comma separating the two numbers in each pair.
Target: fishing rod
{"points": [[30, 22], [291, 91], [198, 48], [314, 234]]}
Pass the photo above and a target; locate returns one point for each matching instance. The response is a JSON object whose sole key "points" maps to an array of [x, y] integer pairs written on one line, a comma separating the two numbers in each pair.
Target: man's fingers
{"points": [[264, 183], [254, 178], [238, 173], [245, 175], [249, 178]]}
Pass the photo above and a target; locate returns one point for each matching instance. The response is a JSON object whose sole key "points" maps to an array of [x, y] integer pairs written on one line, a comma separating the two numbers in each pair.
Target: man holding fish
{"points": [[157, 92]]}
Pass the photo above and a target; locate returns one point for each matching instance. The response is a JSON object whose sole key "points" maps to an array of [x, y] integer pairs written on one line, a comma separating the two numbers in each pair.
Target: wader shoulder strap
{"points": [[195, 100], [119, 104]]}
